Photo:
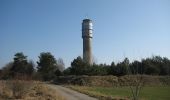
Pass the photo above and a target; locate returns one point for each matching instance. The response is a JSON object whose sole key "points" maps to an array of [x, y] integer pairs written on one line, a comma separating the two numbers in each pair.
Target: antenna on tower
{"points": [[87, 16]]}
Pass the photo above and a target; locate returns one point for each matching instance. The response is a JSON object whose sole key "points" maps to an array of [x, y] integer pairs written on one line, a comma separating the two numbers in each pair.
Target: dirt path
{"points": [[71, 94]]}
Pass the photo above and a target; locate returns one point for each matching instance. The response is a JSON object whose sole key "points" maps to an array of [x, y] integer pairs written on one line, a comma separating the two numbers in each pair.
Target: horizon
{"points": [[132, 29]]}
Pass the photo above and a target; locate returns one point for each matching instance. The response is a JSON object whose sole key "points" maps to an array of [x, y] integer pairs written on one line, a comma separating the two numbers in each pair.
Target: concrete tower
{"points": [[87, 29]]}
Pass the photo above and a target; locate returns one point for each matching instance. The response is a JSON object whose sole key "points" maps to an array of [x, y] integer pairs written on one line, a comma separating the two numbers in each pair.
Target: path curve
{"points": [[71, 94]]}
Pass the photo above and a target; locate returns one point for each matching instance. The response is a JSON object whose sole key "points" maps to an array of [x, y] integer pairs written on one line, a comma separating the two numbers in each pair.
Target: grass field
{"points": [[147, 93]]}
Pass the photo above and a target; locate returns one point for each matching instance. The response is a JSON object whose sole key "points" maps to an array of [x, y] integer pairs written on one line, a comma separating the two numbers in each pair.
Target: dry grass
{"points": [[42, 92], [27, 90]]}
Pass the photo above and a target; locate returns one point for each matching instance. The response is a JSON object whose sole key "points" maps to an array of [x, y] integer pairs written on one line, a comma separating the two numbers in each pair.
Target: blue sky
{"points": [[122, 28]]}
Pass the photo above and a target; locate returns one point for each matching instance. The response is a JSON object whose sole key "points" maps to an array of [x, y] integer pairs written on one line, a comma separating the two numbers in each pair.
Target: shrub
{"points": [[27, 90], [4, 90], [109, 81], [19, 88], [14, 89]]}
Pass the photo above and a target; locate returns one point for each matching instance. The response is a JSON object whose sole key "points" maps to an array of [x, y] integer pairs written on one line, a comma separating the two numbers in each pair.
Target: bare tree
{"points": [[136, 81], [94, 59], [61, 65]]}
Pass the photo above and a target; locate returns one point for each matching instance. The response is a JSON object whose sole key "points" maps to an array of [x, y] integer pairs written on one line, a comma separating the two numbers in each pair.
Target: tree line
{"points": [[155, 65], [48, 67]]}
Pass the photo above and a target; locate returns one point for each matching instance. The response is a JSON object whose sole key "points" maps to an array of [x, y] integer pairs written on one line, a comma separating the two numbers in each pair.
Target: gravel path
{"points": [[71, 94]]}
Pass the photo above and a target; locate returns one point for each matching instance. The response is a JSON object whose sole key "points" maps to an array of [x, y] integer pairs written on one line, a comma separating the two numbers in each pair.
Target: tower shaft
{"points": [[87, 50]]}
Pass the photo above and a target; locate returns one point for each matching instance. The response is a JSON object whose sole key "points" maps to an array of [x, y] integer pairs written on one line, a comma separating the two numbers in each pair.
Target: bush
{"points": [[112, 81], [14, 89], [4, 90], [19, 88], [27, 90]]}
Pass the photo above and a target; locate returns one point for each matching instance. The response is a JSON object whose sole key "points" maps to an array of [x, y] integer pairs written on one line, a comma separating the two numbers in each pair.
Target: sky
{"points": [[122, 28]]}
